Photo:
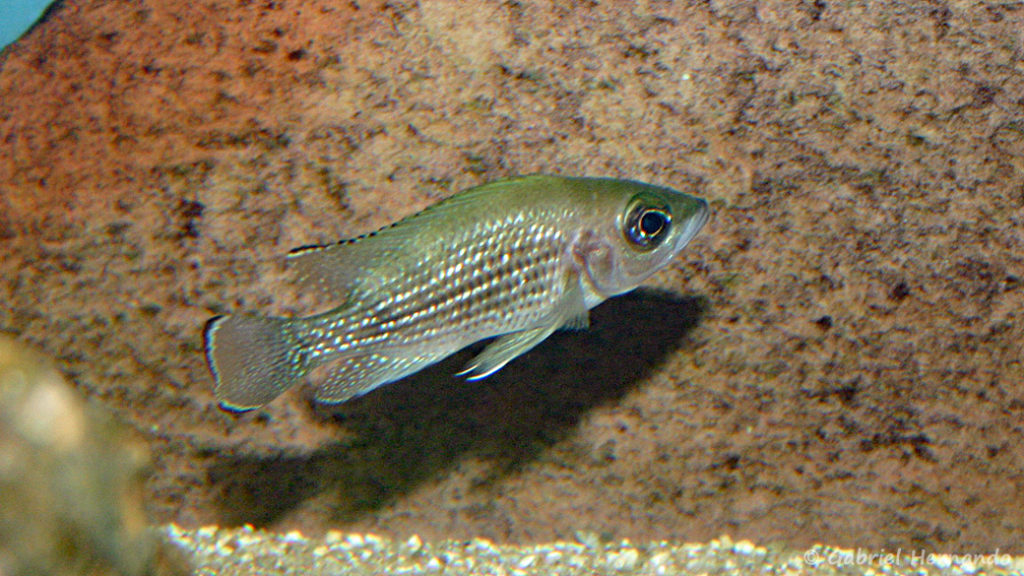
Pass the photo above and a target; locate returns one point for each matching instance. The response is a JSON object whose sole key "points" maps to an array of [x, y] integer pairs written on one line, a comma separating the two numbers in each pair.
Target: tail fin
{"points": [[253, 359]]}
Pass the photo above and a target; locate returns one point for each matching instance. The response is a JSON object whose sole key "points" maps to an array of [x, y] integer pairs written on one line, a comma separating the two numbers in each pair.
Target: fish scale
{"points": [[473, 300], [517, 259]]}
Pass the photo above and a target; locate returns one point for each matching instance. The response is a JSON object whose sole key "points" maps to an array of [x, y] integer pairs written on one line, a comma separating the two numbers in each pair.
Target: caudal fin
{"points": [[253, 359]]}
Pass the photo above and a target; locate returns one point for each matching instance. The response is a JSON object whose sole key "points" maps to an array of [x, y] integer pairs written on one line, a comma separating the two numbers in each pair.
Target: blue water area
{"points": [[17, 16]]}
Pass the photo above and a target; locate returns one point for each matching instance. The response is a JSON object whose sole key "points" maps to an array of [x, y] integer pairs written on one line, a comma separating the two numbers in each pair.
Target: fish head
{"points": [[642, 228]]}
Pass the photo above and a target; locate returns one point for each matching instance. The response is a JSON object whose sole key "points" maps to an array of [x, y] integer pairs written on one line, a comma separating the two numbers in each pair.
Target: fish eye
{"points": [[647, 226]]}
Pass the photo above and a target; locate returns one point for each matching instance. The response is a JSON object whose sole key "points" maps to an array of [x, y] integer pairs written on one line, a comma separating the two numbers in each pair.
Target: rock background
{"points": [[837, 357]]}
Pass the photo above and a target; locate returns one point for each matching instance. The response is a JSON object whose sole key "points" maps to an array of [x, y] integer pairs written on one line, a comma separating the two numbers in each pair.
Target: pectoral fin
{"points": [[571, 312]]}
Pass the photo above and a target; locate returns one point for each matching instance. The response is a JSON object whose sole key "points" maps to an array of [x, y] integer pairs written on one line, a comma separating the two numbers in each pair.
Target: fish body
{"points": [[517, 259]]}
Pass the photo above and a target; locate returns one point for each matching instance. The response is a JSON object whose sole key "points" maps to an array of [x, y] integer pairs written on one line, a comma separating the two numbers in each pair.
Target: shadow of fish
{"points": [[517, 259]]}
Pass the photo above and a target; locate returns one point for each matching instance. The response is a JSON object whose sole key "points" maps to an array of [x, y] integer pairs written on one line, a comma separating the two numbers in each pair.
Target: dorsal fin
{"points": [[357, 266]]}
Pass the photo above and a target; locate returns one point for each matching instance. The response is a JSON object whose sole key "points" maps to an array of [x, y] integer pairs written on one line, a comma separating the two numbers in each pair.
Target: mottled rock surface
{"points": [[837, 358]]}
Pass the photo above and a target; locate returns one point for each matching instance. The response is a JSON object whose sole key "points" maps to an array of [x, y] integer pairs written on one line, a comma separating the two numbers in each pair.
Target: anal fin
{"points": [[352, 376]]}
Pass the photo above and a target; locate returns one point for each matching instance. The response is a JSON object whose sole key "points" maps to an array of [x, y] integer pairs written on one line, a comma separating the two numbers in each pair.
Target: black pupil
{"points": [[647, 227], [651, 223]]}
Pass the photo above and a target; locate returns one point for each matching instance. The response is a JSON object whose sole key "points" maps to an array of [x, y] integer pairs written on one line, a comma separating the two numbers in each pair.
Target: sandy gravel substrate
{"points": [[245, 551]]}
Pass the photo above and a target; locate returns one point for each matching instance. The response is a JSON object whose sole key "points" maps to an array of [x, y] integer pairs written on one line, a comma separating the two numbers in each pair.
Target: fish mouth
{"points": [[694, 224]]}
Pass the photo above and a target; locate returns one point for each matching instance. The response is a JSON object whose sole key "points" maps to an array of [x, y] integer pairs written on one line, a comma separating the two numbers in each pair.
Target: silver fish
{"points": [[517, 259]]}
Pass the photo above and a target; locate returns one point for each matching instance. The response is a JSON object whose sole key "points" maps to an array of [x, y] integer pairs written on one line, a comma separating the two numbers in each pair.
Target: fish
{"points": [[514, 260]]}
